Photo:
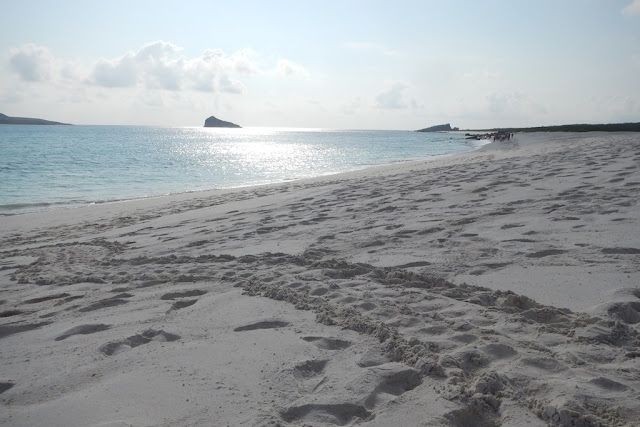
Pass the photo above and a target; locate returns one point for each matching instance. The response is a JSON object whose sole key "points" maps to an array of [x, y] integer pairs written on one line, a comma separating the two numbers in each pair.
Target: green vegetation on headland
{"points": [[610, 127], [6, 120]]}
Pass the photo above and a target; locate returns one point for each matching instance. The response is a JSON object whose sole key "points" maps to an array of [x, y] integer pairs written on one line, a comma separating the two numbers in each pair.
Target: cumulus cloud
{"points": [[242, 63], [231, 86], [158, 65], [394, 97], [156, 51], [289, 69], [31, 62], [212, 71], [115, 73], [154, 78], [632, 9]]}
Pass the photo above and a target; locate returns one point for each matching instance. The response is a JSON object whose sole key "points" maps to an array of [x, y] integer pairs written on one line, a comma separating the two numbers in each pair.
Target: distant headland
{"points": [[608, 127], [213, 122], [6, 120], [439, 128]]}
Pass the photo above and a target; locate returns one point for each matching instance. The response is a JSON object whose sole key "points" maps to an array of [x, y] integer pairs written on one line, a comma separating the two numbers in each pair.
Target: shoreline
{"points": [[63, 206], [498, 285], [120, 195], [157, 206]]}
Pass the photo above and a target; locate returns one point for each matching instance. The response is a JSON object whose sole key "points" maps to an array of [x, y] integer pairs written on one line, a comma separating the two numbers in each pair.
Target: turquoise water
{"points": [[46, 167]]}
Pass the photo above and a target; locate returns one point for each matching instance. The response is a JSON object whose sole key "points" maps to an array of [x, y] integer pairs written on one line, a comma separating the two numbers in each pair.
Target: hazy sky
{"points": [[330, 64]]}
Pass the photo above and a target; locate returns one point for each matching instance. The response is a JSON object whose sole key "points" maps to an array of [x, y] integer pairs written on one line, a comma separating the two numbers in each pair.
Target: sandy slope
{"points": [[492, 288]]}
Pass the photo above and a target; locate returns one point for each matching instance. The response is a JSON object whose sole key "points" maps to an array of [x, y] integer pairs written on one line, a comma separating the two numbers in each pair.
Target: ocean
{"points": [[52, 167]]}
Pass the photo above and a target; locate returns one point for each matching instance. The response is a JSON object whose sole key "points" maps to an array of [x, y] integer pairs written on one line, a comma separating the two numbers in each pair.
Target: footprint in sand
{"points": [[265, 324], [46, 298], [5, 385], [478, 413], [337, 414], [319, 291], [107, 303], [390, 380], [375, 386], [608, 385], [328, 343], [546, 253], [310, 375], [133, 341], [83, 330], [497, 351], [621, 251], [372, 358], [183, 304], [508, 226], [309, 369], [177, 305], [469, 360], [628, 312], [10, 313], [543, 363], [6, 330]]}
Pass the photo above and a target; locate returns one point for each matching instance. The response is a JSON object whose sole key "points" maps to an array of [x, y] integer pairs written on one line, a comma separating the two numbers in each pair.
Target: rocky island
{"points": [[213, 122], [438, 128], [6, 120]]}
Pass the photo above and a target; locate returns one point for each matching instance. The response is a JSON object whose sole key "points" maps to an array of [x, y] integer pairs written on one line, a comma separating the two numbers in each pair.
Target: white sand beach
{"points": [[493, 288]]}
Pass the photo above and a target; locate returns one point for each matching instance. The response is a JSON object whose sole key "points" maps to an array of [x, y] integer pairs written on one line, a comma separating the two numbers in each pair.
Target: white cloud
{"points": [[289, 69], [632, 9], [394, 97], [120, 72], [157, 65], [164, 76], [32, 63], [243, 64], [199, 72], [231, 86], [156, 51], [156, 83], [159, 69]]}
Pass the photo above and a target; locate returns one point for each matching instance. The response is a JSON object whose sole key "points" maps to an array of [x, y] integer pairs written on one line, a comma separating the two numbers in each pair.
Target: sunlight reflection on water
{"points": [[78, 164]]}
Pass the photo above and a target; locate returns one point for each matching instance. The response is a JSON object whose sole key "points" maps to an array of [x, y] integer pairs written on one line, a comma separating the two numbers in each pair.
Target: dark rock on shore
{"points": [[6, 120], [213, 122], [500, 135], [439, 128]]}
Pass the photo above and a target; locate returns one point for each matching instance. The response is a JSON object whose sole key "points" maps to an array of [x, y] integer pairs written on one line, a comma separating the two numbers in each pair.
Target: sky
{"points": [[322, 64]]}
